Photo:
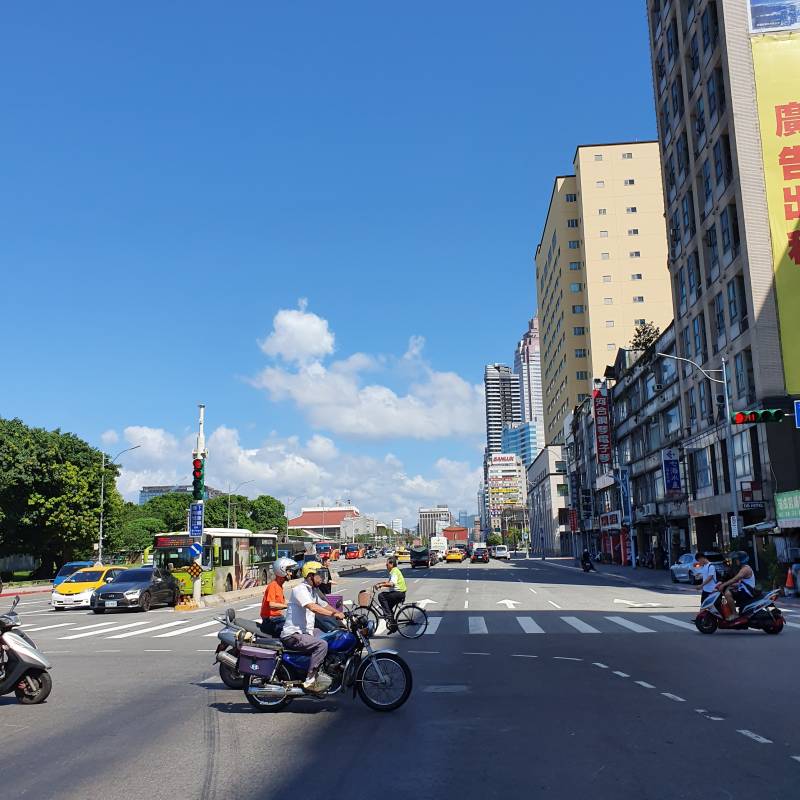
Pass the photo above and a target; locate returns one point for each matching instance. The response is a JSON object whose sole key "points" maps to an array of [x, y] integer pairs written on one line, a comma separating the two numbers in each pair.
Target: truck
{"points": [[439, 545]]}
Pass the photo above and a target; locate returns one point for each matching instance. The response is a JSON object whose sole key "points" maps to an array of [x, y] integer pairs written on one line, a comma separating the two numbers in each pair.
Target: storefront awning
{"points": [[761, 527]]}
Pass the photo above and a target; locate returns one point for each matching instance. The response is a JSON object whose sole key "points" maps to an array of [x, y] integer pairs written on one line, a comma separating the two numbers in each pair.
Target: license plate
{"points": [[111, 603]]}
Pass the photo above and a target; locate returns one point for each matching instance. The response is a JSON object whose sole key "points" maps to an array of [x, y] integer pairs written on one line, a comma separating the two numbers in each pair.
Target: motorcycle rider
{"points": [[274, 605], [586, 561], [298, 630], [741, 588]]}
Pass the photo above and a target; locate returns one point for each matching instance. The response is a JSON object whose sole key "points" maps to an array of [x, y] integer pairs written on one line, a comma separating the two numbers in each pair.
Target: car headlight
{"points": [[132, 594]]}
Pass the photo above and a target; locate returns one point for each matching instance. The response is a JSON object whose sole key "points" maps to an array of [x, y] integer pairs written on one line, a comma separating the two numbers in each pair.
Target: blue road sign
{"points": [[196, 550], [797, 413], [196, 519]]}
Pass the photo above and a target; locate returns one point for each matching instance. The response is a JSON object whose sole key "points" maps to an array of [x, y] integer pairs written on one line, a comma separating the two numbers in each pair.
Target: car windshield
{"points": [[68, 569], [85, 577], [135, 576]]}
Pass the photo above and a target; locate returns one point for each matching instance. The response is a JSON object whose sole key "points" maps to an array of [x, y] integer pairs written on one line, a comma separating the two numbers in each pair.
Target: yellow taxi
{"points": [[403, 556], [454, 554], [76, 591]]}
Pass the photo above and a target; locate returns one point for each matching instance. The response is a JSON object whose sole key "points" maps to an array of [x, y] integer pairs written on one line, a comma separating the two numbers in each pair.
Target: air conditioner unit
{"points": [[658, 387]]}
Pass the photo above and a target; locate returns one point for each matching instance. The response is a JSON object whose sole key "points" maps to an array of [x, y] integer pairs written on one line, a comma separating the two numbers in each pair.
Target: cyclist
{"points": [[396, 594]]}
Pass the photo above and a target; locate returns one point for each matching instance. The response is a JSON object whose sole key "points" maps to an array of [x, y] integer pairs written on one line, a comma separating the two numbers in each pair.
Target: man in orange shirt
{"points": [[273, 606]]}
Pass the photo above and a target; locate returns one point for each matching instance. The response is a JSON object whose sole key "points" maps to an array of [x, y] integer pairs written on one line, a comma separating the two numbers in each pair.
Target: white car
{"points": [[501, 551]]}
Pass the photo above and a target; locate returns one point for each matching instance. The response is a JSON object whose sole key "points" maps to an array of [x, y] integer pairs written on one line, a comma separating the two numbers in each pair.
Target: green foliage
{"points": [[267, 512], [137, 533], [494, 539], [173, 508], [644, 335]]}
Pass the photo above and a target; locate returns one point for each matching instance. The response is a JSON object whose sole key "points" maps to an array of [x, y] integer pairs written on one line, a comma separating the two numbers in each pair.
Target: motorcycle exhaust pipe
{"points": [[227, 659], [276, 691]]}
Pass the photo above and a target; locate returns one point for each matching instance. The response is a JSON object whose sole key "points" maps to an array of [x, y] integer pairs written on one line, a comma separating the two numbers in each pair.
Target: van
{"points": [[501, 551]]}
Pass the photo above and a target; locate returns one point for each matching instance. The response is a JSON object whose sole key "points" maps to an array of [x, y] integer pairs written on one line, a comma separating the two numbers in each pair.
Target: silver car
{"points": [[687, 569]]}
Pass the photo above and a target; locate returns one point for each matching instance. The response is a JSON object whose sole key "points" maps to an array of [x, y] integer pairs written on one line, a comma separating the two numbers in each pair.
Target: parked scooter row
{"points": [[23, 668]]}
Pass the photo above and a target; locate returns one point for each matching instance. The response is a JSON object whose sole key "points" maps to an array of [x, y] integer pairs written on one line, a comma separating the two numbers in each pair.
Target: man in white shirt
{"points": [[298, 630], [708, 576]]}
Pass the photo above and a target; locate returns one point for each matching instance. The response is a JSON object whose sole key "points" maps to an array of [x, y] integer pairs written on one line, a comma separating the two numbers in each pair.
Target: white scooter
{"points": [[23, 668]]}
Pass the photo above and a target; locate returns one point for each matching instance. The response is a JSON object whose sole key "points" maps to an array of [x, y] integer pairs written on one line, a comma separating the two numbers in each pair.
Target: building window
{"points": [[633, 231], [719, 319], [708, 25], [693, 268], [636, 276], [699, 336], [703, 395], [572, 223], [577, 309], [571, 198], [712, 250], [582, 375], [687, 205], [574, 265], [629, 181], [579, 330], [635, 254], [605, 256], [743, 370], [671, 420], [630, 210], [627, 156], [608, 301], [609, 323], [708, 189], [638, 322], [576, 287], [573, 244], [691, 399], [611, 346], [601, 211], [580, 352], [742, 461], [604, 234], [598, 156], [702, 469], [680, 289], [600, 184], [686, 346], [606, 279], [563, 489]]}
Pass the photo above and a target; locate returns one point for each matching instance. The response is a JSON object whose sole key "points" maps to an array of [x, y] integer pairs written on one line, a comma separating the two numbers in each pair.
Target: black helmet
{"points": [[740, 557]]}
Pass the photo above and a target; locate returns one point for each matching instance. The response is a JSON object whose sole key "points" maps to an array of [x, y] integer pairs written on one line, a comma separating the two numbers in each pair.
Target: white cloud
{"points": [[310, 472], [298, 336], [337, 398], [109, 437]]}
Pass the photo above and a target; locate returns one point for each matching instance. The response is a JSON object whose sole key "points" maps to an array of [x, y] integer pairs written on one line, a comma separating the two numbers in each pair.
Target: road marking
{"points": [[791, 624], [48, 627], [103, 630], [416, 580], [247, 608], [677, 622], [555, 605], [96, 625], [533, 590], [528, 625], [621, 674], [433, 625], [598, 664], [51, 652], [567, 658], [673, 697], [716, 719], [580, 625], [428, 652], [108, 651], [466, 589], [645, 685], [522, 655], [148, 630], [158, 651], [466, 604], [754, 736], [795, 758], [447, 689], [477, 625], [205, 651], [476, 654], [187, 630], [631, 626]]}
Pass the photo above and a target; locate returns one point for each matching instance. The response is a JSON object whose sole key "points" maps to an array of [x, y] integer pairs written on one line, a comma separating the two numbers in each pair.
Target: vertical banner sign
{"points": [[602, 427], [196, 515], [776, 63], [672, 471], [625, 489]]}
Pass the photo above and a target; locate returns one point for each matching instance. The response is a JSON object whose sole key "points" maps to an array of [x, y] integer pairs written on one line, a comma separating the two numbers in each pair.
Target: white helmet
{"points": [[283, 566]]}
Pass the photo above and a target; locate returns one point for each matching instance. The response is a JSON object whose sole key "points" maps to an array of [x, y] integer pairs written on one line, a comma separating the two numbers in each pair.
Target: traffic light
{"points": [[759, 415], [198, 478]]}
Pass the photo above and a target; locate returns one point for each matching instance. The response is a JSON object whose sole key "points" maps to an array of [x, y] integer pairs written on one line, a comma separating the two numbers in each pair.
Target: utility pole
{"points": [[201, 453]]}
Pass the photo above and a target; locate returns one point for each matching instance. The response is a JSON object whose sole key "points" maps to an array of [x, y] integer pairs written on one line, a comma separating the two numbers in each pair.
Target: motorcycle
{"points": [[761, 614], [23, 668], [274, 674], [233, 633]]}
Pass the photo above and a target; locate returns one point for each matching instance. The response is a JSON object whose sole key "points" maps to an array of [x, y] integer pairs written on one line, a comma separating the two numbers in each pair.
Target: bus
{"points": [[355, 550], [233, 558], [327, 551]]}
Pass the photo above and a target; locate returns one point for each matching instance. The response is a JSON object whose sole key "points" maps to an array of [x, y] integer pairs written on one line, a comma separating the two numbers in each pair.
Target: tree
{"points": [[645, 334], [137, 533], [494, 539], [267, 512], [173, 508]]}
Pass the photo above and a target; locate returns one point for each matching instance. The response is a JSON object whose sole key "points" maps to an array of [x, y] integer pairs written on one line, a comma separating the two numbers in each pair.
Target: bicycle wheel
{"points": [[368, 614], [412, 621]]}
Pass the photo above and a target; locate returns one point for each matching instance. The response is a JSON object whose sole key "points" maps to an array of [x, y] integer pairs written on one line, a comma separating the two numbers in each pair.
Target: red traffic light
{"points": [[197, 468], [743, 417], [197, 463]]}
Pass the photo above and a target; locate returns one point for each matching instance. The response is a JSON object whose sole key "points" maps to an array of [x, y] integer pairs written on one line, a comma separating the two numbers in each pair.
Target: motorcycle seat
{"points": [[249, 626]]}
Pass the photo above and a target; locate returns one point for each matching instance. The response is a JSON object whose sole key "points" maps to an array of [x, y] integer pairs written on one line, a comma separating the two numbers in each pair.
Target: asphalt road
{"points": [[533, 678]]}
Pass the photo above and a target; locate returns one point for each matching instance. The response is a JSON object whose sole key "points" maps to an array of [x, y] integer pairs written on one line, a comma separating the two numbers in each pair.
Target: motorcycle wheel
{"points": [[231, 677], [773, 626], [706, 623], [44, 684], [394, 692], [267, 703]]}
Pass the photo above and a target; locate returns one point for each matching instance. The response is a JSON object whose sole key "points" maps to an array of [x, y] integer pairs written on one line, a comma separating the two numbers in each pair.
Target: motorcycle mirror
{"points": [[230, 614]]}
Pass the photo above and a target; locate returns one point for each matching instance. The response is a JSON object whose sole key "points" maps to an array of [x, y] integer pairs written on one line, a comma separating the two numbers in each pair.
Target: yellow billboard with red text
{"points": [[776, 62]]}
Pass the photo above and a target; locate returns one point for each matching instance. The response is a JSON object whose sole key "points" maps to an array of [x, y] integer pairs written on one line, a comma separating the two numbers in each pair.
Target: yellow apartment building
{"points": [[601, 267]]}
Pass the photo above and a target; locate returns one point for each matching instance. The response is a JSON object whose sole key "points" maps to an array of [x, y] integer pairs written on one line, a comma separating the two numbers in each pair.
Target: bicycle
{"points": [[410, 619]]}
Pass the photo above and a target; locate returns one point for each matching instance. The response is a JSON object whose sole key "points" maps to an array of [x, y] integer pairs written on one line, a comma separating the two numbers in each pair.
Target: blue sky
{"points": [[176, 175]]}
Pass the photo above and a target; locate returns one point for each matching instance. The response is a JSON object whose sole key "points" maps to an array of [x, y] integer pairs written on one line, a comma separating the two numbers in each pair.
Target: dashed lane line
{"points": [[674, 697], [555, 605], [645, 684], [754, 736], [466, 604], [621, 674], [532, 590], [631, 626], [522, 655], [566, 658], [433, 625], [598, 664]]}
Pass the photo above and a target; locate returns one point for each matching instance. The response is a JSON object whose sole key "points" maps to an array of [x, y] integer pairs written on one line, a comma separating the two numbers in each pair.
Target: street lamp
{"points": [[728, 426], [102, 495], [244, 483]]}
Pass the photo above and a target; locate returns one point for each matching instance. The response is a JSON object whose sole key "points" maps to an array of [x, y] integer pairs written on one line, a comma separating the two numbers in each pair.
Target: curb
{"points": [[10, 592]]}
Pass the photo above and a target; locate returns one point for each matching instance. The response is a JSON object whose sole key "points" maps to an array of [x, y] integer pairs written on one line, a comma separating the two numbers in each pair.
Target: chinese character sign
{"points": [[602, 427], [672, 471], [776, 62]]}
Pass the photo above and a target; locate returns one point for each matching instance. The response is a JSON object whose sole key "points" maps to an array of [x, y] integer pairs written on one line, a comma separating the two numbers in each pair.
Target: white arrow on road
{"points": [[425, 602], [638, 605], [508, 603]]}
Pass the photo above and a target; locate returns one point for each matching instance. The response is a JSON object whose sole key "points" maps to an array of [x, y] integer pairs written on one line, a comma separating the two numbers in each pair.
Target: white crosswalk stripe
{"points": [[148, 630], [48, 627], [477, 625], [433, 625], [678, 623], [631, 626], [529, 625], [580, 625], [102, 631], [187, 630]]}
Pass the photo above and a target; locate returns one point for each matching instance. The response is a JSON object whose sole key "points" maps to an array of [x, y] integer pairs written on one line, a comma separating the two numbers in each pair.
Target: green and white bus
{"points": [[233, 558]]}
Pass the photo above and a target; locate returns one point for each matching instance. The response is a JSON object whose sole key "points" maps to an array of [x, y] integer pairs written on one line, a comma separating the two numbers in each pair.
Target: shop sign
{"points": [[611, 520], [787, 509], [671, 470], [602, 426]]}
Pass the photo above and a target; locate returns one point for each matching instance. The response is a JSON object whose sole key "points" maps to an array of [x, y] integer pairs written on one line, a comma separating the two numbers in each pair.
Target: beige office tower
{"points": [[601, 267]]}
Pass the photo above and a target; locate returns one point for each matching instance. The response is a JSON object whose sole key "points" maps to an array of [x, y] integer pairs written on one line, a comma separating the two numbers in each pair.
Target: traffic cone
{"points": [[789, 580]]}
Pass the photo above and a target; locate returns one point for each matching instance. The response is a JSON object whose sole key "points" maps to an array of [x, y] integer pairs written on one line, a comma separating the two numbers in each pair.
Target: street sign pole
{"points": [[199, 452]]}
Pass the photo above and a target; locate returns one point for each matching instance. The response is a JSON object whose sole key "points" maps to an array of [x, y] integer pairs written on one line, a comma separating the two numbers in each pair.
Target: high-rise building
{"points": [[506, 487], [502, 403], [725, 86], [600, 269], [527, 364], [428, 517], [523, 441]]}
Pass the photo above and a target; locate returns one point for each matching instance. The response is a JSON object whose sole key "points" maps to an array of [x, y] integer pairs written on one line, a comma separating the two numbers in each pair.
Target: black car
{"points": [[139, 588], [480, 554]]}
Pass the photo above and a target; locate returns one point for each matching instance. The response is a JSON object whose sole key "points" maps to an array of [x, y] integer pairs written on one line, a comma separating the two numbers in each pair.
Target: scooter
{"points": [[23, 668], [761, 614]]}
